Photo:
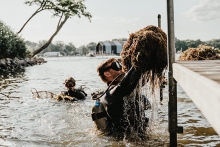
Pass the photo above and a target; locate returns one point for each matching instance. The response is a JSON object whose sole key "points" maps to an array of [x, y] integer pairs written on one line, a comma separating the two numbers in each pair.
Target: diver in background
{"points": [[72, 94]]}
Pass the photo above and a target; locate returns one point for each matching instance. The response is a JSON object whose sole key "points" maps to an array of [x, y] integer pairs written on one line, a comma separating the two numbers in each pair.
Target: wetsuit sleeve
{"points": [[80, 95], [128, 83], [125, 87]]}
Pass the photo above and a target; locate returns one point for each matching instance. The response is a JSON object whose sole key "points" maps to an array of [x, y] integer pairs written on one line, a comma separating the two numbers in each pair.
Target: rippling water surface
{"points": [[28, 121]]}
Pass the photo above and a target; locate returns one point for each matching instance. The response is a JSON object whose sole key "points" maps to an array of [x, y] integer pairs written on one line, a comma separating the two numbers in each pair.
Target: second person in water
{"points": [[72, 93]]}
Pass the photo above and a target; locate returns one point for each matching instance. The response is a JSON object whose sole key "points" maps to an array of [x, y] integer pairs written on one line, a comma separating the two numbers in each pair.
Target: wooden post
{"points": [[172, 104], [159, 20], [161, 86]]}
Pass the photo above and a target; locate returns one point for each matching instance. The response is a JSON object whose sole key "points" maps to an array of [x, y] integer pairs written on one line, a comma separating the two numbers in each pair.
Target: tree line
{"points": [[70, 49], [182, 45], [12, 45], [59, 46]]}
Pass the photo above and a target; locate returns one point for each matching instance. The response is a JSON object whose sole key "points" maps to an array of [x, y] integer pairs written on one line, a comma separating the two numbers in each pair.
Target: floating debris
{"points": [[8, 95], [43, 94], [48, 94]]}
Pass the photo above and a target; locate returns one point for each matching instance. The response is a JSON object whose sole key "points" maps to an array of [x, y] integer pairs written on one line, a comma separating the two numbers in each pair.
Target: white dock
{"points": [[201, 81]]}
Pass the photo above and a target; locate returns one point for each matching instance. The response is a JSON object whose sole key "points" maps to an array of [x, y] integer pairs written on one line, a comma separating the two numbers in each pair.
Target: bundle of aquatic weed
{"points": [[202, 52], [146, 50]]}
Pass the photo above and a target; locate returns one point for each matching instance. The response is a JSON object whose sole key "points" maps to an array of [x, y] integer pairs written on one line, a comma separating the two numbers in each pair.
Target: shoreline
{"points": [[10, 65]]}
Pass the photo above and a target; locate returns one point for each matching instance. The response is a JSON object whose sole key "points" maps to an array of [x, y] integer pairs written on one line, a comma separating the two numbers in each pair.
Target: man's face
{"points": [[111, 74], [70, 85]]}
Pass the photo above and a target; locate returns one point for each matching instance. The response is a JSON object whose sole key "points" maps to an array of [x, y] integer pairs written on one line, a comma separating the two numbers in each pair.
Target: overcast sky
{"points": [[193, 19]]}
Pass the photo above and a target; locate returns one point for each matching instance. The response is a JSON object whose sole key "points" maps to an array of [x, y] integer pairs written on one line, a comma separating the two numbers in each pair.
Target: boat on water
{"points": [[90, 55]]}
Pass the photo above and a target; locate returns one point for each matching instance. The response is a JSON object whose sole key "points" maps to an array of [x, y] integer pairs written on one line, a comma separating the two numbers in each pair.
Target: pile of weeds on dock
{"points": [[202, 52]]}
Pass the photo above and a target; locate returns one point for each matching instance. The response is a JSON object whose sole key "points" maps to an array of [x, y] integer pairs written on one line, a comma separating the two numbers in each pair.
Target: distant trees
{"points": [[92, 46], [60, 46], [30, 45], [70, 48], [120, 39], [214, 42], [11, 45], [84, 49], [180, 45], [185, 44], [63, 9]]}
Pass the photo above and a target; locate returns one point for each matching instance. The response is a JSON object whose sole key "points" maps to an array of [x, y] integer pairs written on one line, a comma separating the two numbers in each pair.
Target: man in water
{"points": [[120, 84], [144, 58], [72, 94]]}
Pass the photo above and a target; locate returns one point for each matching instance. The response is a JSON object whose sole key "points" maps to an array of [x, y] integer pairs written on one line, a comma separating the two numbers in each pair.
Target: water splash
{"points": [[140, 130]]}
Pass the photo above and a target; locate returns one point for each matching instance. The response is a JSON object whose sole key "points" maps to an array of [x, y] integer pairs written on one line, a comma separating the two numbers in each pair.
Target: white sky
{"points": [[194, 19]]}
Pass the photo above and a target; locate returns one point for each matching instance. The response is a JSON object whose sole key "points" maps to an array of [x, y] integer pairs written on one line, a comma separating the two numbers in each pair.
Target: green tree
{"points": [[191, 43], [91, 46], [198, 42], [31, 45], [84, 50], [180, 45], [214, 43], [70, 48], [41, 43], [11, 45], [59, 46], [63, 9]]}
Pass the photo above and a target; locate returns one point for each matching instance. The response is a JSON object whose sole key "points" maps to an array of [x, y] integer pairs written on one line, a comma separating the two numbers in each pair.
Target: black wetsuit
{"points": [[114, 103], [76, 93]]}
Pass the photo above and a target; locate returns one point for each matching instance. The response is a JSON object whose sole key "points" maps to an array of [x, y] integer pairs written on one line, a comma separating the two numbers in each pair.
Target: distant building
{"points": [[109, 47], [52, 54]]}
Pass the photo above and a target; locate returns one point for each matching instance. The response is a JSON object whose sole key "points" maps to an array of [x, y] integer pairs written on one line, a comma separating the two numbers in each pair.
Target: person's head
{"points": [[108, 70], [70, 83]]}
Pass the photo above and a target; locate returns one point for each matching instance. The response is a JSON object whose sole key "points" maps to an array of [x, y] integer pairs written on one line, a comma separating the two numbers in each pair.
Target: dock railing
{"points": [[201, 81]]}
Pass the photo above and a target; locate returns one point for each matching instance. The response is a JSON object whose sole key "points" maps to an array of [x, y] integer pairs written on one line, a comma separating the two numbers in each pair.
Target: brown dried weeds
{"points": [[146, 50], [202, 52]]}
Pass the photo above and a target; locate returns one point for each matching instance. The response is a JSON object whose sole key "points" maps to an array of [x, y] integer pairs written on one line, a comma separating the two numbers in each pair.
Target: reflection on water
{"points": [[27, 121]]}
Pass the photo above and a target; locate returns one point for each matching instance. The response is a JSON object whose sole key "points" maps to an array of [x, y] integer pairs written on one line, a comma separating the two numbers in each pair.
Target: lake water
{"points": [[41, 122]]}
